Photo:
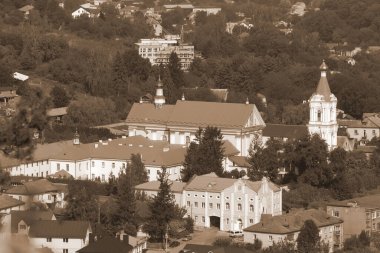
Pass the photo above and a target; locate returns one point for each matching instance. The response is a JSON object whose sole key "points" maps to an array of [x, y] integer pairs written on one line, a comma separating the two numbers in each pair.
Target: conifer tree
{"points": [[137, 170], [163, 210], [175, 71], [205, 155], [308, 240]]}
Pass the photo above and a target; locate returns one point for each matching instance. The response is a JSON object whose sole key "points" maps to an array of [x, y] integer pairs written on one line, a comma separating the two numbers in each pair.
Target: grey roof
{"points": [[9, 202], [33, 188], [28, 217], [241, 161], [292, 222], [369, 201], [195, 114], [59, 229], [285, 131], [154, 186], [107, 245]]}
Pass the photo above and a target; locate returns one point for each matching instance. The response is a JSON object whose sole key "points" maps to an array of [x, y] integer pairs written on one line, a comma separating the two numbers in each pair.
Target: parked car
{"points": [[236, 233]]}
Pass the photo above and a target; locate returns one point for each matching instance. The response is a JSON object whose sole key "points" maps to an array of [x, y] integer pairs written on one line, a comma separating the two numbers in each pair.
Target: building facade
{"points": [[158, 51], [323, 111], [275, 229], [229, 204], [240, 124], [359, 214]]}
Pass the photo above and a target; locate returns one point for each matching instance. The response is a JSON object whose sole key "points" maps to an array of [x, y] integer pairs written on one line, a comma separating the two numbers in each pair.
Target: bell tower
{"points": [[323, 111], [159, 99]]}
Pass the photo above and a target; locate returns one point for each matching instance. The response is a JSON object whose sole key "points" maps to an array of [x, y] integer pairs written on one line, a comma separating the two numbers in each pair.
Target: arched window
{"points": [[251, 209], [227, 206], [239, 207]]}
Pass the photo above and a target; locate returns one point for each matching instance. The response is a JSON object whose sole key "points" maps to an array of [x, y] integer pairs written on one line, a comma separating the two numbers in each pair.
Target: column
{"points": [[246, 209], [207, 218], [222, 211], [232, 211]]}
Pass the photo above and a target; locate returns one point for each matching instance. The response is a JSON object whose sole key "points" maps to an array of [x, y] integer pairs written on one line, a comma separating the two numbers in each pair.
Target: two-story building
{"points": [[275, 229], [229, 204], [7, 204], [358, 214], [39, 191], [59, 236]]}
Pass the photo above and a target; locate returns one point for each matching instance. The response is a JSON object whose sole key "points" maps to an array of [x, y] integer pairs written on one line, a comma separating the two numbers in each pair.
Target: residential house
{"points": [[240, 124], [86, 9], [158, 50], [8, 204], [225, 203], [20, 77], [41, 191], [19, 220], [7, 94], [56, 114], [358, 214], [284, 132], [59, 236], [361, 131], [169, 7], [275, 229], [121, 244]]}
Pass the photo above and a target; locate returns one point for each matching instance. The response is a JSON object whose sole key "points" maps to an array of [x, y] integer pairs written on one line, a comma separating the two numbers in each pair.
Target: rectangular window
{"points": [[336, 214], [113, 165], [148, 171], [48, 239], [210, 205], [251, 221], [92, 164], [103, 178], [65, 239], [195, 204], [227, 206], [203, 205], [65, 251], [217, 206], [356, 132], [67, 167], [203, 219], [22, 227], [270, 238], [58, 166], [239, 207], [103, 164], [188, 203], [251, 209], [195, 218]]}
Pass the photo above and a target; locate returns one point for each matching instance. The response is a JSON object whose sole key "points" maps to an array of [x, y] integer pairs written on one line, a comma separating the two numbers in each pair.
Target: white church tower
{"points": [[323, 111], [159, 99]]}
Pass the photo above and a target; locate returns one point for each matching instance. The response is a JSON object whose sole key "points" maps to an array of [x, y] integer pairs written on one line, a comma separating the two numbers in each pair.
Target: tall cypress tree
{"points": [[175, 71], [137, 170], [308, 240]]}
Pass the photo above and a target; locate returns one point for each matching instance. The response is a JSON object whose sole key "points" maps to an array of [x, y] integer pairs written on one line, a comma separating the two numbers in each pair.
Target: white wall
{"points": [[57, 245]]}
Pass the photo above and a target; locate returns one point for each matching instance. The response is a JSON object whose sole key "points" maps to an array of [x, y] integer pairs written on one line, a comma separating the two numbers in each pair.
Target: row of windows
{"points": [[356, 132], [251, 221], [227, 206], [63, 239], [218, 197]]}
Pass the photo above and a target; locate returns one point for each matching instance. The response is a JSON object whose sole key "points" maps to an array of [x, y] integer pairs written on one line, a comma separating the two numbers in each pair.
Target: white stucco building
{"points": [[158, 50], [224, 202], [275, 229], [323, 111], [240, 124]]}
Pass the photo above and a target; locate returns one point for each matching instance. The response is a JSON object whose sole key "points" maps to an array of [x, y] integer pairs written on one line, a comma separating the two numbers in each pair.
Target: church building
{"points": [[323, 111], [240, 124]]}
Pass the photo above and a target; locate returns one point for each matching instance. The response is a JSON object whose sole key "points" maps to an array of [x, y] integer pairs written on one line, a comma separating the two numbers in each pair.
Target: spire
{"points": [[159, 99], [323, 87], [76, 140]]}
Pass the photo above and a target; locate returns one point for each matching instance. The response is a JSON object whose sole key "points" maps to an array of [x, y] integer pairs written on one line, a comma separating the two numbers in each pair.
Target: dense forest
{"points": [[95, 60]]}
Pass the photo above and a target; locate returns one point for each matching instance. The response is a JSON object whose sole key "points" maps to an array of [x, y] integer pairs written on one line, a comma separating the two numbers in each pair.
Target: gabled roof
{"points": [[195, 114], [197, 248], [349, 123], [293, 222], [59, 229], [33, 188], [28, 217], [155, 185], [285, 131], [107, 244], [369, 201], [9, 202]]}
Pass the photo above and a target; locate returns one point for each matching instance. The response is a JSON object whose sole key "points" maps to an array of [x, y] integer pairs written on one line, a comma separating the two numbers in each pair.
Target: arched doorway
{"points": [[215, 221]]}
